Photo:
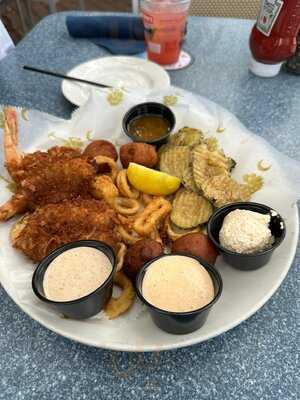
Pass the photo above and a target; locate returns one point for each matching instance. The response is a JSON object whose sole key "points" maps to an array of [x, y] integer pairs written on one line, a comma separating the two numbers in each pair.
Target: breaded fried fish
{"points": [[53, 225], [44, 177]]}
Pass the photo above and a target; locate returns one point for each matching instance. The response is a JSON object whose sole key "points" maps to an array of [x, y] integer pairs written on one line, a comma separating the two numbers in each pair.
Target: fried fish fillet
{"points": [[53, 225], [48, 177], [52, 176]]}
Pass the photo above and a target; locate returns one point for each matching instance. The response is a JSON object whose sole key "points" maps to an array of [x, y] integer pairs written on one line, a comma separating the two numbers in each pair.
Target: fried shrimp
{"points": [[16, 204]]}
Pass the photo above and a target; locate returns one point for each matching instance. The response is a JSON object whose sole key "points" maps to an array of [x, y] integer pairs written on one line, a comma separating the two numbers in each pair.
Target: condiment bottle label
{"points": [[269, 12]]}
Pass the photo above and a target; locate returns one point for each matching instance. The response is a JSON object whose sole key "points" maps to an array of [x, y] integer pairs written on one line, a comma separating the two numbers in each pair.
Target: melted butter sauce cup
{"points": [[86, 306], [180, 323], [149, 109], [246, 262]]}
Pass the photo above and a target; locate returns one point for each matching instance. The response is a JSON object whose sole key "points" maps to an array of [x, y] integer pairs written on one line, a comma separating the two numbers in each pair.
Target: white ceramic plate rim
{"points": [[159, 76], [188, 341]]}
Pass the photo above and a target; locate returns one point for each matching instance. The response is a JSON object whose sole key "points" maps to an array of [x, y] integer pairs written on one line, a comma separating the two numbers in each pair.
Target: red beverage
{"points": [[165, 22], [274, 37]]}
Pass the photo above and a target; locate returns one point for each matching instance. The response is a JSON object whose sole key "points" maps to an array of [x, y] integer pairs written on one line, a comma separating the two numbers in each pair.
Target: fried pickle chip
{"points": [[254, 182], [190, 209], [188, 180], [174, 232], [223, 189], [163, 149], [187, 137], [212, 143], [207, 164], [175, 160]]}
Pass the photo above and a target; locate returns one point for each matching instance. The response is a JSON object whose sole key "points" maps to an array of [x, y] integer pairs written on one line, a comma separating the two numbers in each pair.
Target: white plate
{"points": [[244, 292], [128, 72]]}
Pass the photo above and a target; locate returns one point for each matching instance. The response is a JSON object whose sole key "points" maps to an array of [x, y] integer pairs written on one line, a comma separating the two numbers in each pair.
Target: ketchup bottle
{"points": [[274, 37]]}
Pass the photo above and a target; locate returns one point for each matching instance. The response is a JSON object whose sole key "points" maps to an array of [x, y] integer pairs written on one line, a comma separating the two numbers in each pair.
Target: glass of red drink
{"points": [[165, 24]]}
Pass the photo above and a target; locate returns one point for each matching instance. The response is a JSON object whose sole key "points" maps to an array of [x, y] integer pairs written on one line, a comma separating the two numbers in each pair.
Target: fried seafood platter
{"points": [[64, 195], [153, 202]]}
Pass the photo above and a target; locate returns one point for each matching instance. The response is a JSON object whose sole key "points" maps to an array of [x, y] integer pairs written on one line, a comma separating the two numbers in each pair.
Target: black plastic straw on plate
{"points": [[61, 76]]}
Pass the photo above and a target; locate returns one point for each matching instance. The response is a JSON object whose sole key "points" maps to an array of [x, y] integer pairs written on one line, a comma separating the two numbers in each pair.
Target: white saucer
{"points": [[184, 61], [127, 72]]}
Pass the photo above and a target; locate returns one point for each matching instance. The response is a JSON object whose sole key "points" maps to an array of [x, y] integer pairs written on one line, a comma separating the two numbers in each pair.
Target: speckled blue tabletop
{"points": [[257, 360]]}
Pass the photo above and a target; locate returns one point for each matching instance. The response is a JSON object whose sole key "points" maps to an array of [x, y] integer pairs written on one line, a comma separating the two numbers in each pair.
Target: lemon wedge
{"points": [[152, 182]]}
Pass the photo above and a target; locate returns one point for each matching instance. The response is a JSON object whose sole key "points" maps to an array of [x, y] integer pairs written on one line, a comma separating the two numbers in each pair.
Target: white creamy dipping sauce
{"points": [[76, 273], [178, 284], [246, 232]]}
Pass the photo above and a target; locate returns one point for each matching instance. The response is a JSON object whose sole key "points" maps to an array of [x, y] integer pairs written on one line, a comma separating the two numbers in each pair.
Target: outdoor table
{"points": [[257, 359]]}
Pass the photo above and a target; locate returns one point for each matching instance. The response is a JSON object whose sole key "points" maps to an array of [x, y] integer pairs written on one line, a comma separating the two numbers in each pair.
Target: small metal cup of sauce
{"points": [[150, 123], [92, 301]]}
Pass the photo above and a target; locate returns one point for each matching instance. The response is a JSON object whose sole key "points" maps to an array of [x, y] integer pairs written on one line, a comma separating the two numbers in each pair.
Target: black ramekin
{"points": [[88, 305], [246, 261], [149, 109], [180, 323]]}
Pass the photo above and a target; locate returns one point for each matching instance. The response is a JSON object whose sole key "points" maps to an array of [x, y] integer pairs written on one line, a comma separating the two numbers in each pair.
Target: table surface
{"points": [[256, 360]]}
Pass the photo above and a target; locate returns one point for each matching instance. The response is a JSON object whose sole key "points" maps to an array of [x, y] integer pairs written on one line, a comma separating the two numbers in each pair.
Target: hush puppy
{"points": [[139, 253], [101, 148], [196, 244], [139, 153]]}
